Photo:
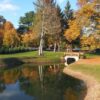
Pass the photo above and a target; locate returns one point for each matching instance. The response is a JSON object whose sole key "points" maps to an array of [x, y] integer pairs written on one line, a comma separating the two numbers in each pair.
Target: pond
{"points": [[39, 82]]}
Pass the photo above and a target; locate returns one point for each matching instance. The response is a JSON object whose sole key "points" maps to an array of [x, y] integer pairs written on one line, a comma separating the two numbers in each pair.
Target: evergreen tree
{"points": [[68, 11], [2, 20], [26, 22]]}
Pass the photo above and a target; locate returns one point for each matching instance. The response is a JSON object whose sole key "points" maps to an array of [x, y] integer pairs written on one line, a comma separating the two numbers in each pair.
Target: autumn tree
{"points": [[39, 23], [27, 39], [10, 38], [47, 21], [88, 16], [87, 13], [54, 24], [87, 41], [73, 32], [84, 14]]}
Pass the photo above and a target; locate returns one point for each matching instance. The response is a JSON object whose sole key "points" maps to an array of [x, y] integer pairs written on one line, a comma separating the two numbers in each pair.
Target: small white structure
{"points": [[71, 55], [74, 57]]}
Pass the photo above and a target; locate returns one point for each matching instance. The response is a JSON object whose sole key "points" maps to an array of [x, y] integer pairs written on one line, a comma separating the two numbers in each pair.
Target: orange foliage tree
{"points": [[84, 14], [73, 32], [10, 38], [27, 39]]}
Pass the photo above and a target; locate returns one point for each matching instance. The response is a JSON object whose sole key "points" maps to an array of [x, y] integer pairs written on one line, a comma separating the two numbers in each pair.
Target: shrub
{"points": [[7, 50]]}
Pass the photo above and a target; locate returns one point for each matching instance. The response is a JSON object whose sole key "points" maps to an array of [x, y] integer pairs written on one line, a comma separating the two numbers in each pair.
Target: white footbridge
{"points": [[71, 55]]}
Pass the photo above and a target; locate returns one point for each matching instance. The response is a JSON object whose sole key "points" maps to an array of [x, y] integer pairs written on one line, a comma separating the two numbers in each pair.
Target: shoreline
{"points": [[18, 61], [93, 87]]}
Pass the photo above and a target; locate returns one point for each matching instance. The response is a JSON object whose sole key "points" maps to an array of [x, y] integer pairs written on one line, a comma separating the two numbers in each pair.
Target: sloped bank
{"points": [[13, 62], [93, 87]]}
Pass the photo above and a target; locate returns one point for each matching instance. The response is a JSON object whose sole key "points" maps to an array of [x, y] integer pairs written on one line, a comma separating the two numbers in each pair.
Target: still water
{"points": [[39, 82]]}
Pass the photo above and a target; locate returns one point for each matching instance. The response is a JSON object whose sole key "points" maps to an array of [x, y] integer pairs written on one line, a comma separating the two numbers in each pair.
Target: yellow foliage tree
{"points": [[89, 17], [84, 14], [8, 25], [88, 42], [27, 39], [73, 32]]}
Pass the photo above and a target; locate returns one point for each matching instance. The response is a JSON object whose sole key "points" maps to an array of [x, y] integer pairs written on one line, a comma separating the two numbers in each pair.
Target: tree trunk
{"points": [[41, 47], [58, 47], [42, 37], [71, 47], [55, 46]]}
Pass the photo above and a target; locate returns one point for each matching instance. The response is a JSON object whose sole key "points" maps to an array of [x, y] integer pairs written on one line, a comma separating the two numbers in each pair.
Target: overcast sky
{"points": [[13, 9]]}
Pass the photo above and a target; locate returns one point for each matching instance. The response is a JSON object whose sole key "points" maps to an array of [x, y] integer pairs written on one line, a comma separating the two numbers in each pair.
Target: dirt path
{"points": [[89, 61], [93, 87]]}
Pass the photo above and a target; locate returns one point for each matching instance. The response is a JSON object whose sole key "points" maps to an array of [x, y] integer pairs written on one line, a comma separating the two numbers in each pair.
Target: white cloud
{"points": [[7, 5]]}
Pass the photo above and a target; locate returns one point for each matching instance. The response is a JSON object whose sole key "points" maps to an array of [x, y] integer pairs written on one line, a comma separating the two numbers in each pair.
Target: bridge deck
{"points": [[72, 54]]}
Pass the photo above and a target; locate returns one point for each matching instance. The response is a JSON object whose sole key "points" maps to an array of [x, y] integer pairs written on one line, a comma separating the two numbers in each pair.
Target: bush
{"points": [[7, 50], [97, 50]]}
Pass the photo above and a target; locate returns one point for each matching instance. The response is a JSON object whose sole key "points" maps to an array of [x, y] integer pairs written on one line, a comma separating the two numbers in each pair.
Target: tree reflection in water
{"points": [[43, 82]]}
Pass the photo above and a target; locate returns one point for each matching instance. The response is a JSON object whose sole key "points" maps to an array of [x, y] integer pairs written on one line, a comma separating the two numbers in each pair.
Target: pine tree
{"points": [[68, 11]]}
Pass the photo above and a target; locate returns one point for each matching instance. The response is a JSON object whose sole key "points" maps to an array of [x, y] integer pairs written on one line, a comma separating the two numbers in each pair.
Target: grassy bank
{"points": [[30, 57], [47, 54], [32, 54], [89, 69]]}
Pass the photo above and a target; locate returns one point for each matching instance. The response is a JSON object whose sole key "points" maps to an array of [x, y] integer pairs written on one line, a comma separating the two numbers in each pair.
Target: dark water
{"points": [[39, 82]]}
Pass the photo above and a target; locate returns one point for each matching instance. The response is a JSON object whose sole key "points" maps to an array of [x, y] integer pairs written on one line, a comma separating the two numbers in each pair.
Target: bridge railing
{"points": [[74, 54], [71, 54]]}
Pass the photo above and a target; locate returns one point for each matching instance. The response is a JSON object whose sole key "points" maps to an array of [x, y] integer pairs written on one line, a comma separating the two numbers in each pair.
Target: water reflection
{"points": [[39, 82]]}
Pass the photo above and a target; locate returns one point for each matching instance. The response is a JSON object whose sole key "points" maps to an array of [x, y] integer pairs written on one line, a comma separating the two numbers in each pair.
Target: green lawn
{"points": [[49, 54], [32, 54], [89, 69]]}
